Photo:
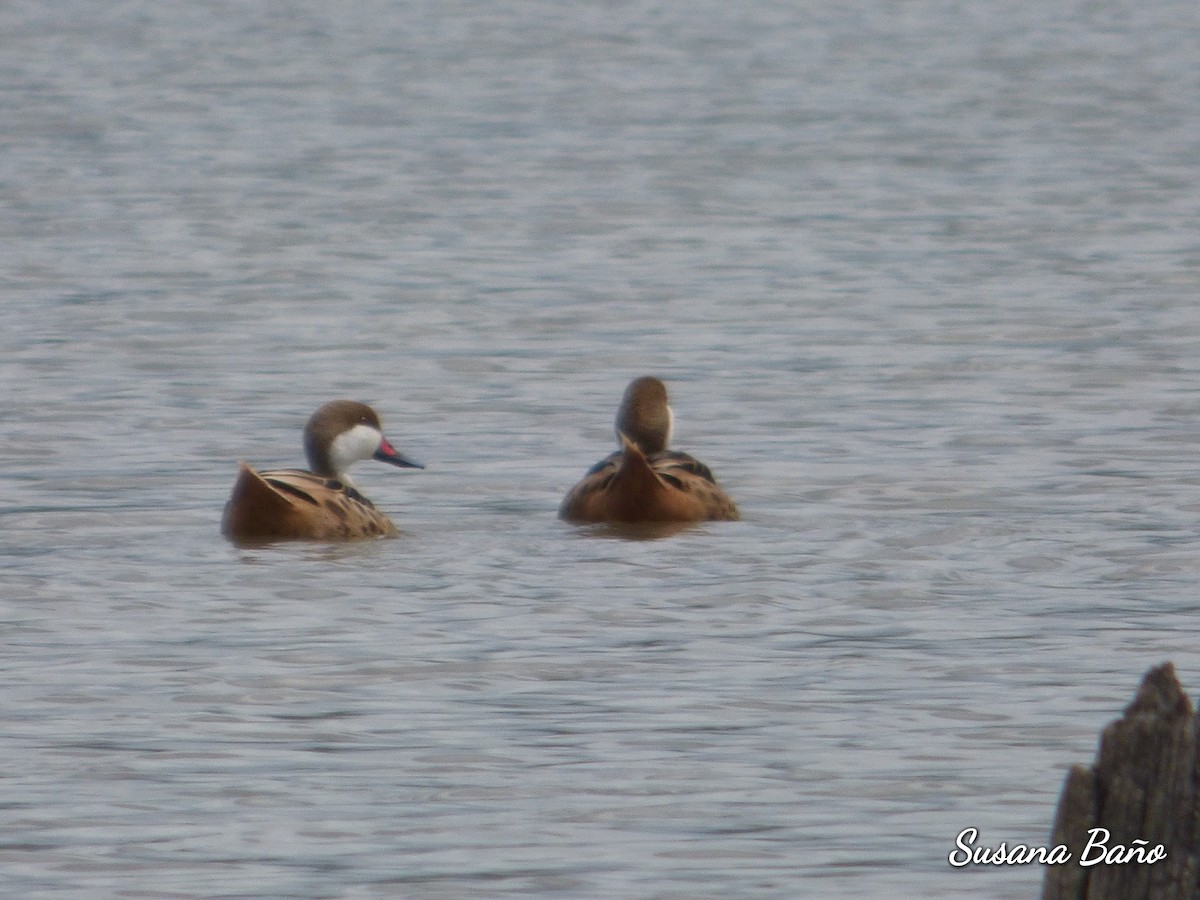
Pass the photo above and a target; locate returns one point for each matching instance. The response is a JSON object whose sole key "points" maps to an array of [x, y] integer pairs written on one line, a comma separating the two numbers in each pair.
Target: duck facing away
{"points": [[321, 504], [643, 480]]}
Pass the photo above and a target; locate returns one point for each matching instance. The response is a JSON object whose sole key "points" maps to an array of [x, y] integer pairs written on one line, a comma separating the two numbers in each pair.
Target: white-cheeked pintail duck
{"points": [[320, 504], [643, 480]]}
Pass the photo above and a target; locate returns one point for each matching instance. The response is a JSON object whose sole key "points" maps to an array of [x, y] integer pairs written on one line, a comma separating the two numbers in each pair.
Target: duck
{"points": [[643, 480], [322, 503]]}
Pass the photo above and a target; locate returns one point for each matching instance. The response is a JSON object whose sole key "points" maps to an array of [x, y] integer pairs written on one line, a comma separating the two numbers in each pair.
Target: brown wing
{"points": [[626, 486], [673, 462], [290, 504], [687, 474], [583, 501]]}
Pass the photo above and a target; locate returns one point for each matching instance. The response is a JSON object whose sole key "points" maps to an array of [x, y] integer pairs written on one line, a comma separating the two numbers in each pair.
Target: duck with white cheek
{"points": [[320, 504]]}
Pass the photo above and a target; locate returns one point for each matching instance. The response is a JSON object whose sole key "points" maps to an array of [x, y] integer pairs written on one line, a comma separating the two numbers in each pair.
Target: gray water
{"points": [[922, 278]]}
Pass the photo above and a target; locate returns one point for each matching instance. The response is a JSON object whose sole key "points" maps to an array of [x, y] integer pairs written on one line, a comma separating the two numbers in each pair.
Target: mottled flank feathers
{"points": [[290, 504]]}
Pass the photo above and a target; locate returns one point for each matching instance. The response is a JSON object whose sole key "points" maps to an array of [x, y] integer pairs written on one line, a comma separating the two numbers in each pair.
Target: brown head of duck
{"points": [[321, 503], [644, 480]]}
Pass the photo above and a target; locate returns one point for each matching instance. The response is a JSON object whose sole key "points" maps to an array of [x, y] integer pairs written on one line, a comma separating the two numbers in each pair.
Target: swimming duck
{"points": [[643, 481], [322, 504]]}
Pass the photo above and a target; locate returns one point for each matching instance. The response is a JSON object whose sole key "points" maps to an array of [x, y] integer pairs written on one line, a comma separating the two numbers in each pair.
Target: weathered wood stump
{"points": [[1143, 788]]}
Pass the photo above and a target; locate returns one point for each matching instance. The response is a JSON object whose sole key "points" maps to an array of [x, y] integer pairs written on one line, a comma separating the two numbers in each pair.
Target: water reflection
{"points": [[638, 531]]}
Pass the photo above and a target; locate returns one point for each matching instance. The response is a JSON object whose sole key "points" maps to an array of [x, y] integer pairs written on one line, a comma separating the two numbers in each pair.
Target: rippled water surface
{"points": [[922, 279]]}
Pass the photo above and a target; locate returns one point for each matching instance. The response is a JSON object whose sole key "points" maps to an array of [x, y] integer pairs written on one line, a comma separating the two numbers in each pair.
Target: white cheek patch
{"points": [[360, 442]]}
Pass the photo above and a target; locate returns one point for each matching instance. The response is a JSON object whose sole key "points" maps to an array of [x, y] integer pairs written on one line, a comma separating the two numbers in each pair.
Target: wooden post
{"points": [[1143, 787]]}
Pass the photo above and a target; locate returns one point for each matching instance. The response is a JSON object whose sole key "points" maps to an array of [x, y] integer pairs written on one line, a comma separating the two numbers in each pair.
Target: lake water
{"points": [[922, 278]]}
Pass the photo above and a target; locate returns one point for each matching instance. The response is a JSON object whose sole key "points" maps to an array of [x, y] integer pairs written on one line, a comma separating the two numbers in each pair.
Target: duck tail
{"points": [[254, 507]]}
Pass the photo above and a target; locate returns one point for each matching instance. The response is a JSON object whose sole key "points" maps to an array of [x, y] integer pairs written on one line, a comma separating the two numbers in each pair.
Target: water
{"points": [[921, 277]]}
